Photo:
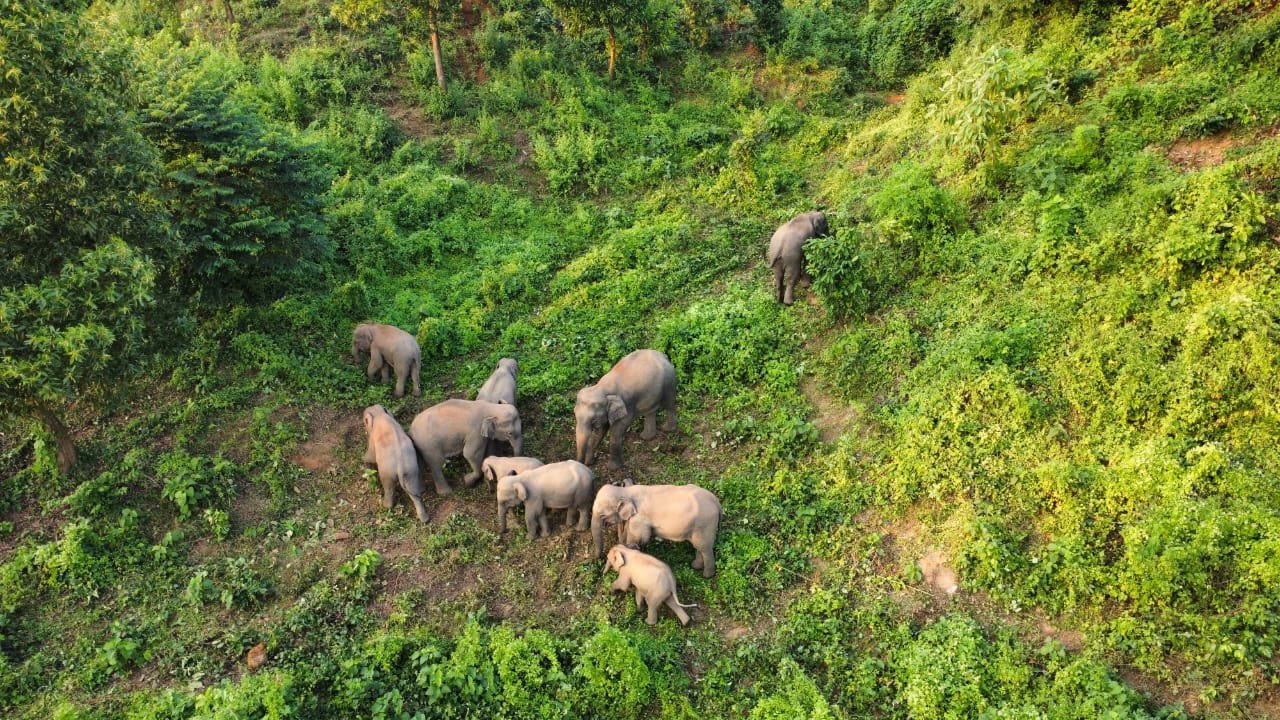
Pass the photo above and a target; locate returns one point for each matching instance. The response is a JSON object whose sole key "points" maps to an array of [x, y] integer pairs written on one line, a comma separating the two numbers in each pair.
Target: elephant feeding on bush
{"points": [[786, 252], [654, 582], [388, 346], [639, 384], [463, 427], [670, 512], [568, 484], [391, 451]]}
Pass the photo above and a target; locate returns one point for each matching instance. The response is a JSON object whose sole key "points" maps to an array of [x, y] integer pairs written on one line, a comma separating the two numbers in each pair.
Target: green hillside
{"points": [[1015, 454]]}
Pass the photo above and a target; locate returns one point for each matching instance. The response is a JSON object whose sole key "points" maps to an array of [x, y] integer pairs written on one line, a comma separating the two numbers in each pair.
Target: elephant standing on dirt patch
{"points": [[567, 484], [786, 252], [654, 582], [391, 451], [640, 384], [388, 346], [495, 467], [669, 512], [463, 427]]}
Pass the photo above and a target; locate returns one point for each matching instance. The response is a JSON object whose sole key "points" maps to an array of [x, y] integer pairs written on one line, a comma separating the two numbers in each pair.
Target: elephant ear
{"points": [[617, 559], [368, 418], [486, 427], [617, 409], [626, 509], [521, 492]]}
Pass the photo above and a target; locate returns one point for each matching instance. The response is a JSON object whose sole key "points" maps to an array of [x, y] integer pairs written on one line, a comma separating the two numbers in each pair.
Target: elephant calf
{"points": [[786, 252], [388, 346], [567, 484], [391, 451], [495, 467], [654, 582]]}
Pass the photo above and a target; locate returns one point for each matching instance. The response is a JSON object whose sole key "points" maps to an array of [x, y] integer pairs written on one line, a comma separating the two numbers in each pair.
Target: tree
{"points": [[613, 16], [431, 13], [81, 231], [245, 194]]}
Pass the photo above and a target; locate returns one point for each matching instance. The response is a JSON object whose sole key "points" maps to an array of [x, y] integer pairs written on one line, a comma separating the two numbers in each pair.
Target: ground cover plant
{"points": [[1039, 356]]}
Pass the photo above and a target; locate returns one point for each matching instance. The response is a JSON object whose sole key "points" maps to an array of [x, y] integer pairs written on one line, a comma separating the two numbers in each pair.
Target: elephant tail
{"points": [[676, 597]]}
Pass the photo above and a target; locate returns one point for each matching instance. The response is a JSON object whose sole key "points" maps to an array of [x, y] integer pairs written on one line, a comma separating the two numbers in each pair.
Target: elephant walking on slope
{"points": [[463, 427], [642, 383]]}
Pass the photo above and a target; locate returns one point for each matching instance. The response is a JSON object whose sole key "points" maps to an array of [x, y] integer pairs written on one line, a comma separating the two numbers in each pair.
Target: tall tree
{"points": [[80, 229], [613, 16], [431, 14]]}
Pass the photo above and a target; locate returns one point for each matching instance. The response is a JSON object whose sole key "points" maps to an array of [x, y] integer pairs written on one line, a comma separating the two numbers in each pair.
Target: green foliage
{"points": [[191, 482], [613, 676], [245, 193]]}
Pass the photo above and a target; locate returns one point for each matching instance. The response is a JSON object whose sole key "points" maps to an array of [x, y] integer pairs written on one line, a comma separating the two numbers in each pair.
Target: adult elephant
{"points": [[671, 512], [501, 385], [463, 427], [786, 252], [391, 451], [640, 384], [388, 347]]}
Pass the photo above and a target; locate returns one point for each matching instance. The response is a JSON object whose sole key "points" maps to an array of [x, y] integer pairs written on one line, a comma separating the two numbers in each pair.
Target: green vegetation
{"points": [[1041, 344]]}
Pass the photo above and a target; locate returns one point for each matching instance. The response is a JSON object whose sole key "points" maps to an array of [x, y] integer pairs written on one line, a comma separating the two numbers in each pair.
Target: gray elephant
{"points": [[654, 582], [670, 512], [567, 484], [391, 451], [495, 467], [786, 252], [501, 385], [388, 347], [463, 427], [640, 384]]}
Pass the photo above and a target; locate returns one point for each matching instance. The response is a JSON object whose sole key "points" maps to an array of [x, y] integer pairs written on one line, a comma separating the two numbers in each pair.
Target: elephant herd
{"points": [[639, 385]]}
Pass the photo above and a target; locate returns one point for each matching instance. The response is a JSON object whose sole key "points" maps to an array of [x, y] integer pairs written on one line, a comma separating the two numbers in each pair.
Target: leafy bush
{"points": [[611, 674]]}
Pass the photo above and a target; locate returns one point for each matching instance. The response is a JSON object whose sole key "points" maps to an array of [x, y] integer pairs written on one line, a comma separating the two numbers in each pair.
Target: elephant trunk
{"points": [[502, 518], [597, 534], [583, 439], [517, 445]]}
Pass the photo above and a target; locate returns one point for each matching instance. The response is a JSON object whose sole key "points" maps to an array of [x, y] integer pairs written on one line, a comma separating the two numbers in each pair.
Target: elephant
{"points": [[501, 385], [391, 451], [640, 384], [463, 427], [388, 345], [568, 484], [786, 252], [654, 582], [669, 512], [495, 467]]}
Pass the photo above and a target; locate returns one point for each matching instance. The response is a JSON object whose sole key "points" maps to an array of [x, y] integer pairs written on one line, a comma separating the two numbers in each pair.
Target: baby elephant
{"points": [[495, 467], [567, 484], [655, 584], [388, 346], [392, 452]]}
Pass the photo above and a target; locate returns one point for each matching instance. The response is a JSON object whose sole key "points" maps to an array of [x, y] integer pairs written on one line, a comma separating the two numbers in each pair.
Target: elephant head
{"points": [[510, 365], [819, 220], [361, 340], [595, 412], [503, 423], [511, 493], [607, 508]]}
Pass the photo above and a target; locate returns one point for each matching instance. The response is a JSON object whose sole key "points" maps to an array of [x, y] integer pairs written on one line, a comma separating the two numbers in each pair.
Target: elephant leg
{"points": [[697, 559], [622, 584], [388, 494], [652, 618], [417, 389], [679, 611], [639, 599], [531, 522], [544, 523], [370, 457], [669, 408], [375, 364], [708, 557], [616, 434], [788, 296], [419, 508], [650, 426], [437, 474], [778, 272], [584, 519], [401, 376], [474, 452]]}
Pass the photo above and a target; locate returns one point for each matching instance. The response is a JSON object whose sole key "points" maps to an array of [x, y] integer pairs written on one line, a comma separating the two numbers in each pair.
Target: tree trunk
{"points": [[231, 16], [61, 435], [435, 49], [613, 52]]}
